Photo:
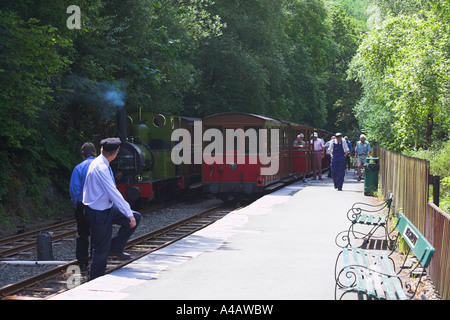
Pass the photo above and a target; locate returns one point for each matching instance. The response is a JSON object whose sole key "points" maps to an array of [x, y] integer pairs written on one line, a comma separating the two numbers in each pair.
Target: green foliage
{"points": [[403, 66], [29, 60], [343, 94], [438, 156]]}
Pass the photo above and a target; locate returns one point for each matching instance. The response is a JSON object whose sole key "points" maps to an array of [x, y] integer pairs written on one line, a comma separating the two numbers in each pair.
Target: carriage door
{"points": [[284, 153]]}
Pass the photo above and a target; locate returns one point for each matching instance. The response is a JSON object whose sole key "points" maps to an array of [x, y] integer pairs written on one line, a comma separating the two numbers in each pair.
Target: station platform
{"points": [[281, 247]]}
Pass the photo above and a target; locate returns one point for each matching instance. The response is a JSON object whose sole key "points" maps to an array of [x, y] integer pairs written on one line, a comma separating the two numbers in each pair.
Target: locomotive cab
{"points": [[143, 168]]}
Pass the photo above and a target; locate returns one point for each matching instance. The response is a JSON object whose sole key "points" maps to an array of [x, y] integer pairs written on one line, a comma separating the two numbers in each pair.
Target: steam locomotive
{"points": [[143, 168]]}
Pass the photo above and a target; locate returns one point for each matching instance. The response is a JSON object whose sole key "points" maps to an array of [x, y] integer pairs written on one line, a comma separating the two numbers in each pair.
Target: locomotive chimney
{"points": [[122, 123]]}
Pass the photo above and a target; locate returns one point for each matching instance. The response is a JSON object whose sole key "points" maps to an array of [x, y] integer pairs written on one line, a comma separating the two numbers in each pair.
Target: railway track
{"points": [[67, 276], [16, 244], [20, 243]]}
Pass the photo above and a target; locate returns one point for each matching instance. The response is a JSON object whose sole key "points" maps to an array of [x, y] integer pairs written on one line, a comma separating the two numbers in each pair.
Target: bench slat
{"points": [[362, 218], [359, 276], [375, 277], [395, 281], [365, 274], [387, 284], [370, 219], [345, 257]]}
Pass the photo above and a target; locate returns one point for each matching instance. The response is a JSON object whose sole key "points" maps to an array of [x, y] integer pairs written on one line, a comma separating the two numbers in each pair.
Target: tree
{"points": [[404, 68], [25, 83], [343, 94]]}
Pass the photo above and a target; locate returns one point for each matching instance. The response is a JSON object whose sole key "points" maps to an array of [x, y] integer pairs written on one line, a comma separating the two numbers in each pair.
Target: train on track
{"points": [[229, 155]]}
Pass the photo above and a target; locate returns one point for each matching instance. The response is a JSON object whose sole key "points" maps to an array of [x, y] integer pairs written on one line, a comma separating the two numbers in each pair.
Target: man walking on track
{"points": [[338, 151]]}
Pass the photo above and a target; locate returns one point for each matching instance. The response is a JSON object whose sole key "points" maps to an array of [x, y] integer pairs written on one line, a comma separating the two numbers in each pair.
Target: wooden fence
{"points": [[408, 179], [437, 232]]}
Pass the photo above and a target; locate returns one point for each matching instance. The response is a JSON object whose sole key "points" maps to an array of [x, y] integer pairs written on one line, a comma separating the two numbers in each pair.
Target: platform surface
{"points": [[281, 247]]}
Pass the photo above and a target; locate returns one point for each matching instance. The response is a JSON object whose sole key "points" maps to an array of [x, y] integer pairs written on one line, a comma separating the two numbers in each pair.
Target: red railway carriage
{"points": [[256, 153], [237, 168]]}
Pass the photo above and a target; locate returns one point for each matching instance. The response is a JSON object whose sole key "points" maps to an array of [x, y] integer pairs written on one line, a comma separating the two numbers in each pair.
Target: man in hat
{"points": [[318, 154], [106, 206], [362, 151], [338, 150]]}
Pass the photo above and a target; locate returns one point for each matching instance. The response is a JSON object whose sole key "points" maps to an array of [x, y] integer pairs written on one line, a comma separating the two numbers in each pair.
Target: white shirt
{"points": [[318, 145], [100, 192], [334, 141]]}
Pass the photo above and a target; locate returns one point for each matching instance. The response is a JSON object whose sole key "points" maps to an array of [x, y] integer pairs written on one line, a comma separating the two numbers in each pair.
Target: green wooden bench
{"points": [[367, 215], [372, 272]]}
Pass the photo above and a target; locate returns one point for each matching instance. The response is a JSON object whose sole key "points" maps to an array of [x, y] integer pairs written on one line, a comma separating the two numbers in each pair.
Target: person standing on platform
{"points": [[318, 154], [106, 206], [327, 146], [338, 151], [88, 153], [362, 151], [347, 158], [301, 145]]}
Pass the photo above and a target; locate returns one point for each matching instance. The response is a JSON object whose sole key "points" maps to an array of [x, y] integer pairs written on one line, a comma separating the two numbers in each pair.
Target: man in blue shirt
{"points": [[88, 153], [106, 206], [362, 151]]}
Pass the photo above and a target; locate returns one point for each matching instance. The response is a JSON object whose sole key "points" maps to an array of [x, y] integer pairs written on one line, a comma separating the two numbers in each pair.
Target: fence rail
{"points": [[408, 179]]}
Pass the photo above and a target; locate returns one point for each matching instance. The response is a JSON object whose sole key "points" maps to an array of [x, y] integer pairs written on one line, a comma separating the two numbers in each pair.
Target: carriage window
{"points": [[174, 123], [284, 139]]}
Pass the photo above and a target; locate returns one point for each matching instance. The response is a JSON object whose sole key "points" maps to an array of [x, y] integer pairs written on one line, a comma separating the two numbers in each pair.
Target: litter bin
{"points": [[371, 170]]}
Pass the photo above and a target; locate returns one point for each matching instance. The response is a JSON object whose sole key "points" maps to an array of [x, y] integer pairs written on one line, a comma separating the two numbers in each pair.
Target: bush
{"points": [[438, 156]]}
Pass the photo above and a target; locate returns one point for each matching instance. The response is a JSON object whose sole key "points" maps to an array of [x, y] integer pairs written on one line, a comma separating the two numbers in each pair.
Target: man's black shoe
{"points": [[120, 256], [83, 267]]}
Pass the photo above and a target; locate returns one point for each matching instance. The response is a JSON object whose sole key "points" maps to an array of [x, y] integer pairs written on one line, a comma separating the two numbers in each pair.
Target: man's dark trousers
{"points": [[83, 233], [101, 231], [338, 165]]}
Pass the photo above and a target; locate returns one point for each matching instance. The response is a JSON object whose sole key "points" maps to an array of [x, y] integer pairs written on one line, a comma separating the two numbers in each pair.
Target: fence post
{"points": [[436, 182]]}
